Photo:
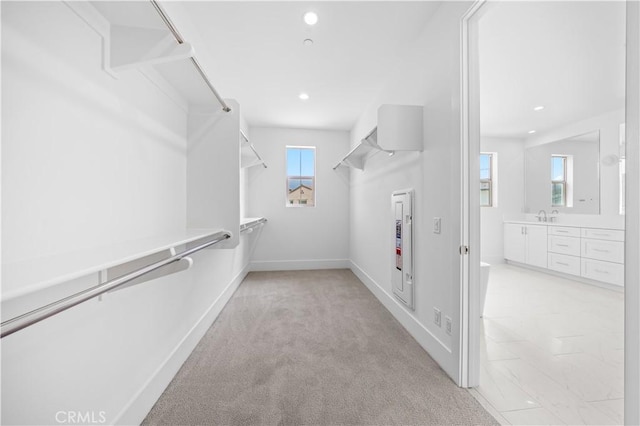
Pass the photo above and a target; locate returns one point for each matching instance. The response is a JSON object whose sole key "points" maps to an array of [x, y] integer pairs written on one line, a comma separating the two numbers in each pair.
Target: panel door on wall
{"points": [[536, 253], [514, 242]]}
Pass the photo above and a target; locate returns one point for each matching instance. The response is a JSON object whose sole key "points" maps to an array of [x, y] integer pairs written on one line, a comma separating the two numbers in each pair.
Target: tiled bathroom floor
{"points": [[552, 350]]}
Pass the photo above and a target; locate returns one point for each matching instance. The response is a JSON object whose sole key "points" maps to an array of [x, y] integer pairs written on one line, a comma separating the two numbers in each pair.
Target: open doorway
{"points": [[550, 156]]}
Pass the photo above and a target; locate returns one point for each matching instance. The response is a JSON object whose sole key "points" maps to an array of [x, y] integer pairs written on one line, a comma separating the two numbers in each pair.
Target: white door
{"points": [[536, 245], [514, 242]]}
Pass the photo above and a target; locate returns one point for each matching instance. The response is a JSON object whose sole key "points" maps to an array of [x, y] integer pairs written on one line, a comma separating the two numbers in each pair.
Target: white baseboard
{"points": [[493, 260], [299, 265], [429, 342], [143, 401]]}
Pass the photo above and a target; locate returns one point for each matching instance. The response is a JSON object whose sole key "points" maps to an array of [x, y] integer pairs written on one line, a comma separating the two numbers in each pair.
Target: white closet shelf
{"points": [[358, 155], [29, 276], [140, 36], [249, 157], [248, 223], [399, 129]]}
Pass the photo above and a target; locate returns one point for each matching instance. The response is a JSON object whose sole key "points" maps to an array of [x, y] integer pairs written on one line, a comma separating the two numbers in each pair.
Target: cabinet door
{"points": [[536, 252], [514, 242]]}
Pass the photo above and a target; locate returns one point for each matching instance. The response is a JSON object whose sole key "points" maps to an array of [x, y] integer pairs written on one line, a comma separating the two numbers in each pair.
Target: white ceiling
{"points": [[567, 56], [263, 64]]}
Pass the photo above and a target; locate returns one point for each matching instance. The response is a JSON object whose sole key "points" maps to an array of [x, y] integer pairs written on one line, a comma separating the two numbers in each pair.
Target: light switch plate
{"points": [[437, 225]]}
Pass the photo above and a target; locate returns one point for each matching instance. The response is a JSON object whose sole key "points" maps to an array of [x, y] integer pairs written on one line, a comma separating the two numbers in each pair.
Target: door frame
{"points": [[469, 369]]}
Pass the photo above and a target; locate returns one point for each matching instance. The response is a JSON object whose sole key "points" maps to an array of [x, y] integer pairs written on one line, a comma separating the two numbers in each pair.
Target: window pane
{"points": [[485, 197], [557, 194], [293, 162], [294, 184], [301, 176], [307, 165], [485, 166], [557, 168]]}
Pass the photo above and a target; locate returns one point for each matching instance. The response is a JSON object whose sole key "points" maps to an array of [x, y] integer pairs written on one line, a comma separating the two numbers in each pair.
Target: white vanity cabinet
{"points": [[591, 253], [564, 249], [526, 244], [602, 253]]}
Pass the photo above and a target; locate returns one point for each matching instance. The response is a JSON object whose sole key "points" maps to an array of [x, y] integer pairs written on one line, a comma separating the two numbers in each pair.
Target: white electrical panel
{"points": [[402, 265]]}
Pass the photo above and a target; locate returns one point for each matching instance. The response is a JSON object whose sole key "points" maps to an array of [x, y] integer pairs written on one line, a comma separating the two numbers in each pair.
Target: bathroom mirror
{"points": [[564, 175]]}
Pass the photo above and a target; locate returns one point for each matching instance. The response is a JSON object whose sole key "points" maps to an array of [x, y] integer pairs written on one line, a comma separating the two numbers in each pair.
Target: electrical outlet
{"points": [[437, 317], [447, 325], [437, 225]]}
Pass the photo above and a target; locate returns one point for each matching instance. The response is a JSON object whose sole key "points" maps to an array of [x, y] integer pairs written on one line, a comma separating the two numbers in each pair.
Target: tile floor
{"points": [[551, 350]]}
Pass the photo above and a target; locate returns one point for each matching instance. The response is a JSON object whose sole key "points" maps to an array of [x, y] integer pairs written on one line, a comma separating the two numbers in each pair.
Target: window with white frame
{"points": [[488, 181], [558, 180], [301, 176]]}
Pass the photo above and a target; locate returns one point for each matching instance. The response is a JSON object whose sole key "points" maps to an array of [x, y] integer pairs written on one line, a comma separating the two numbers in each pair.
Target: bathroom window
{"points": [[301, 176], [488, 163], [559, 180]]}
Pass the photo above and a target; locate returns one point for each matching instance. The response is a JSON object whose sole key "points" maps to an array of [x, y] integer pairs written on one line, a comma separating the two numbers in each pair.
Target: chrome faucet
{"points": [[543, 217], [552, 218]]}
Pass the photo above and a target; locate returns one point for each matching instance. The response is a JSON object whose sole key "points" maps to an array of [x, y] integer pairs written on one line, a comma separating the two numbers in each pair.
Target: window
{"points": [[487, 179], [558, 181], [301, 176]]}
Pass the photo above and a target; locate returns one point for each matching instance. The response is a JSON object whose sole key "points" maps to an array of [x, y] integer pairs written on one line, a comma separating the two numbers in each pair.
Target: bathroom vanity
{"points": [[593, 254]]}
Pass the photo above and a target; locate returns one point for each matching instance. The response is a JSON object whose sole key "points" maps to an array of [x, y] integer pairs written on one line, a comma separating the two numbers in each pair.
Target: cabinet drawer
{"points": [[564, 263], [610, 251], [564, 245], [603, 234], [565, 231], [612, 273]]}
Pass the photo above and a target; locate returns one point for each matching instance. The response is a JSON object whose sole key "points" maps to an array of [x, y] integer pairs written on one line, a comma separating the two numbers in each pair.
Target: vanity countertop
{"points": [[571, 224]]}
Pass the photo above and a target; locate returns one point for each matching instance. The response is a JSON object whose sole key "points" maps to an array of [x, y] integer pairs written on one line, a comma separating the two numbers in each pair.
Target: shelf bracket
{"points": [[125, 268], [132, 48]]}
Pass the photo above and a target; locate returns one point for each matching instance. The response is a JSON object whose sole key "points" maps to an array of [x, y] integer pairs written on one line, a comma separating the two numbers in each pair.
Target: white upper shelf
{"points": [[357, 156], [399, 129], [136, 37]]}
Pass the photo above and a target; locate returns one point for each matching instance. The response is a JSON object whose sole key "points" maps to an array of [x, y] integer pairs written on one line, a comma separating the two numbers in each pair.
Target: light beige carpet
{"points": [[311, 347]]}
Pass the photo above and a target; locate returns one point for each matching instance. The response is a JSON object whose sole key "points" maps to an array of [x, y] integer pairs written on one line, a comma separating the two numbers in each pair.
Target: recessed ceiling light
{"points": [[539, 108], [303, 96], [531, 132], [310, 18], [307, 42]]}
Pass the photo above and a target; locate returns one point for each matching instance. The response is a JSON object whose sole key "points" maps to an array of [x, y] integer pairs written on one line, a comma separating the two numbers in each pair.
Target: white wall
{"points": [[300, 237], [510, 172], [429, 75], [87, 161]]}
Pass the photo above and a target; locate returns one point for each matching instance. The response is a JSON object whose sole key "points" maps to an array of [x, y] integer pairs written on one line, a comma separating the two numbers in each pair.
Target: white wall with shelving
{"points": [[92, 164], [428, 74]]}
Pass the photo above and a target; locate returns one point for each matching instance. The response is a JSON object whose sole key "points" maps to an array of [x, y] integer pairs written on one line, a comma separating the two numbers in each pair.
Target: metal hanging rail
{"points": [[250, 225], [195, 63], [25, 320]]}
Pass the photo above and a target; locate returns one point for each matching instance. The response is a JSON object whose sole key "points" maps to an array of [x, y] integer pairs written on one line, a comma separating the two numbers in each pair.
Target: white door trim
{"points": [[632, 220], [469, 369], [470, 268]]}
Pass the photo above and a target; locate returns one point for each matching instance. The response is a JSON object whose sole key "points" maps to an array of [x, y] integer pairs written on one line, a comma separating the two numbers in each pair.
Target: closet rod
{"points": [[253, 224], [195, 63], [25, 320]]}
